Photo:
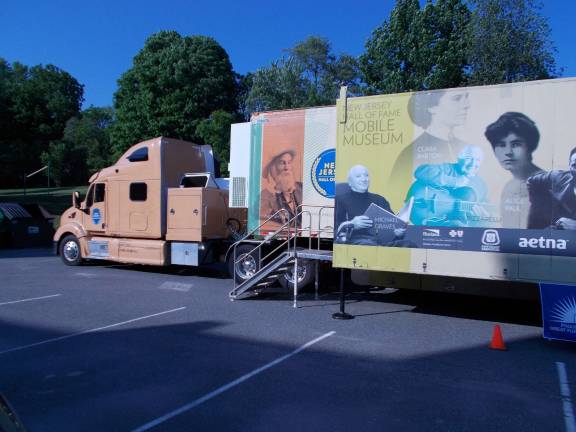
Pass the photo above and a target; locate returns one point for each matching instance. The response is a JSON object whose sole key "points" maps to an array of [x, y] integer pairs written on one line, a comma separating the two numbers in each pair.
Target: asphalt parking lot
{"points": [[126, 348]]}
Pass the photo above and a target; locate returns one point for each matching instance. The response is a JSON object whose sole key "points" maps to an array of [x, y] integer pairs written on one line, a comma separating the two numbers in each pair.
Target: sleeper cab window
{"points": [[99, 192], [138, 191], [139, 155]]}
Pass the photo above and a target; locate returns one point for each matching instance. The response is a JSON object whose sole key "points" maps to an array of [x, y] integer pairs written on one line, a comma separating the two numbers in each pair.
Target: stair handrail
{"points": [[328, 229], [320, 230], [278, 212]]}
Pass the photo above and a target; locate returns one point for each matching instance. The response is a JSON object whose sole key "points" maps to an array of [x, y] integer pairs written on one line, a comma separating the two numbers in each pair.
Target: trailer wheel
{"points": [[70, 251], [305, 275], [246, 265]]}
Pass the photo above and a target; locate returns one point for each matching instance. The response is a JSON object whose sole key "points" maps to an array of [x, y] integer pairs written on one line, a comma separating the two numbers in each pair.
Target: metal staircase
{"points": [[274, 254], [266, 276]]}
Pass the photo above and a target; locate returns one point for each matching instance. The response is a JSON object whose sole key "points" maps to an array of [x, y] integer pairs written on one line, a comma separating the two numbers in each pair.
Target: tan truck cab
{"points": [[160, 204]]}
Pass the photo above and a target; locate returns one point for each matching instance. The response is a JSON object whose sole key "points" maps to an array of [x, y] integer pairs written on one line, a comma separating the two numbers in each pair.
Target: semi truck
{"points": [[463, 190], [161, 203]]}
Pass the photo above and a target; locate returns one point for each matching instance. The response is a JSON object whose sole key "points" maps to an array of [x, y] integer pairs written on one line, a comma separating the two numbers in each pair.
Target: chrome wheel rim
{"points": [[246, 266], [289, 274], [71, 250]]}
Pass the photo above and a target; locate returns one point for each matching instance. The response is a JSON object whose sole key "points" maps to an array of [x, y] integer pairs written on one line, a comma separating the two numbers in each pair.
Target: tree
{"points": [[67, 163], [84, 148], [35, 104], [509, 41], [418, 49], [310, 75], [445, 25], [91, 130], [173, 84], [279, 86], [215, 130], [244, 85]]}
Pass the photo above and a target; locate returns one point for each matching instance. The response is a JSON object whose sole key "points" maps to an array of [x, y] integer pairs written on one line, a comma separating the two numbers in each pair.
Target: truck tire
{"points": [[248, 263], [305, 275], [70, 251]]}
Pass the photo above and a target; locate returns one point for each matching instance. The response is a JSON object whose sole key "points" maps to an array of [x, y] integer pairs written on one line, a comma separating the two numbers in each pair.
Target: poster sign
{"points": [[481, 169], [292, 168], [558, 311]]}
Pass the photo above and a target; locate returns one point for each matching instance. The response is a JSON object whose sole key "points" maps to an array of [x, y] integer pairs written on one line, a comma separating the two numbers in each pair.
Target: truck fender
{"points": [[73, 228]]}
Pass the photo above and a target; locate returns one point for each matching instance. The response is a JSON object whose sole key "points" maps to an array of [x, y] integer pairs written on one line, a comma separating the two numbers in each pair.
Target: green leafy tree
{"points": [[389, 63], [5, 79], [279, 86], [35, 104], [418, 48], [67, 163], [215, 130], [509, 41], [91, 130], [84, 149], [173, 84], [244, 85], [445, 37], [309, 75], [325, 72]]}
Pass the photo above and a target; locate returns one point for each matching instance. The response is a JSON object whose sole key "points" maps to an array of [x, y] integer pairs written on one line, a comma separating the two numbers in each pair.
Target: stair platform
{"points": [[313, 254]]}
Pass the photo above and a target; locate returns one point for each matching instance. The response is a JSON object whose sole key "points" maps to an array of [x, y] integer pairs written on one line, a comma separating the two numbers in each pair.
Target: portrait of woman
{"points": [[514, 137], [438, 113]]}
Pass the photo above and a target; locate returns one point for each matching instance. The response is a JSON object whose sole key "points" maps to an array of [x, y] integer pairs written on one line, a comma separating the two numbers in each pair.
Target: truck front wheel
{"points": [[70, 251]]}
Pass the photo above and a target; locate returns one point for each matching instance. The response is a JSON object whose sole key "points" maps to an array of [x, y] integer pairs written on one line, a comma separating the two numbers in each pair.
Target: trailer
{"points": [[464, 190]]}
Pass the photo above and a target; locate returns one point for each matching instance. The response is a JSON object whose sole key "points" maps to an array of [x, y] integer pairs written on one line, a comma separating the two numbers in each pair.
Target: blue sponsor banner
{"points": [[558, 311]]}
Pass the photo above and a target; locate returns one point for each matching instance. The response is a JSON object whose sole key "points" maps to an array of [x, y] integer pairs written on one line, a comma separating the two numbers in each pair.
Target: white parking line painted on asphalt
{"points": [[89, 331], [566, 398], [228, 386], [29, 299]]}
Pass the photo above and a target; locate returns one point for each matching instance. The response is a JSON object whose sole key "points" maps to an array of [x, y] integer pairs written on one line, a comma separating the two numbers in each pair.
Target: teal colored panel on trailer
{"points": [[255, 175]]}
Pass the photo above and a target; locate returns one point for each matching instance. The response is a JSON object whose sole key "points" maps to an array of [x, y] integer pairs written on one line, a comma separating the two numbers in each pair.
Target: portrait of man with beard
{"points": [[287, 190]]}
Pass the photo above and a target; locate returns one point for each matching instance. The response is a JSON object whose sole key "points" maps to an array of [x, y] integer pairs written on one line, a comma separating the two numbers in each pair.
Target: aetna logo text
{"points": [[542, 243]]}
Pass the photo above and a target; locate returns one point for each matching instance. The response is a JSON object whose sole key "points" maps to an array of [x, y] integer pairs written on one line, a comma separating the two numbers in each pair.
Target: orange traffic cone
{"points": [[497, 341]]}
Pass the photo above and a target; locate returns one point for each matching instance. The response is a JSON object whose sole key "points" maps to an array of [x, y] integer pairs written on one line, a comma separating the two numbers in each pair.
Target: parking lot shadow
{"points": [[119, 380]]}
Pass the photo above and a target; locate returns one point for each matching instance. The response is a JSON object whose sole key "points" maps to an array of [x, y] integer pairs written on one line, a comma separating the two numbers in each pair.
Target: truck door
{"points": [[96, 208]]}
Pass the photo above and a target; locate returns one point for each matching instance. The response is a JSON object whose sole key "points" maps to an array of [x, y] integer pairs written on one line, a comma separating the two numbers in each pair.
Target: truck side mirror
{"points": [[76, 199]]}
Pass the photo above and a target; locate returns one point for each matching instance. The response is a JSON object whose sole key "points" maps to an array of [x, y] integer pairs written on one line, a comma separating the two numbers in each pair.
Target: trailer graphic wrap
{"points": [[285, 146], [422, 178], [278, 170], [319, 170]]}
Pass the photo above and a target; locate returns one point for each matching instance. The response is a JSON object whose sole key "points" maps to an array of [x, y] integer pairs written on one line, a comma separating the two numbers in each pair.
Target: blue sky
{"points": [[96, 41]]}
